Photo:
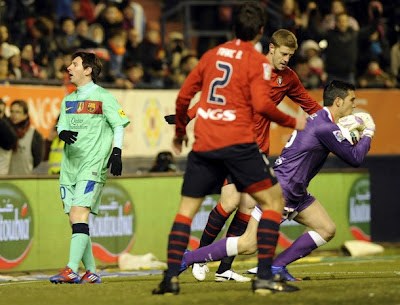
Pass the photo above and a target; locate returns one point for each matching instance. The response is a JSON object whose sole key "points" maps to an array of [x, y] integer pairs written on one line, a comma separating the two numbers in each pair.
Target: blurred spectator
{"points": [[291, 17], [53, 151], [4, 75], [395, 60], [187, 64], [153, 58], [375, 77], [342, 50], [83, 9], [8, 138], [110, 19], [6, 49], [338, 7], [134, 73], [96, 35], [28, 152], [132, 54], [116, 48], [82, 31], [175, 50], [308, 77], [311, 51], [66, 39], [28, 66], [61, 62], [139, 19], [372, 39], [14, 67], [164, 163], [129, 17], [42, 41]]}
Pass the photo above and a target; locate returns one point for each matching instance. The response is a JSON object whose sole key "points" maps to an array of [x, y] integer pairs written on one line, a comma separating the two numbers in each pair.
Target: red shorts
{"points": [[206, 171]]}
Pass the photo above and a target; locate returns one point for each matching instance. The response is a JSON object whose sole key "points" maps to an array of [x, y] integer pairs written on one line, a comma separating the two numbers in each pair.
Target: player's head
{"points": [[249, 21], [282, 46], [341, 96], [90, 64]]}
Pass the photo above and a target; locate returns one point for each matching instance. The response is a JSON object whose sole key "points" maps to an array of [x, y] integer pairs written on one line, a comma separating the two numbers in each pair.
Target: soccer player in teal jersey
{"points": [[91, 123]]}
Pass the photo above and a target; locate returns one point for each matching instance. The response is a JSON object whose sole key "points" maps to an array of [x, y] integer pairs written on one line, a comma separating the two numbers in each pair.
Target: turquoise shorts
{"points": [[82, 194]]}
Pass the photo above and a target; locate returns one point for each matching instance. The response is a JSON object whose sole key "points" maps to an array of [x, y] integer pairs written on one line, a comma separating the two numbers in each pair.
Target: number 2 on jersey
{"points": [[220, 82]]}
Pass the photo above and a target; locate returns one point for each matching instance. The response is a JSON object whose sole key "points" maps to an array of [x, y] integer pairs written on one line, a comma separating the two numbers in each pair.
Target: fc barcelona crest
{"points": [[279, 80], [91, 107], [81, 105]]}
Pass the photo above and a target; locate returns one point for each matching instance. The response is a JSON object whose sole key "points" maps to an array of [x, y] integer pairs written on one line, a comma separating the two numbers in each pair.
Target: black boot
{"points": [[168, 286], [275, 284]]}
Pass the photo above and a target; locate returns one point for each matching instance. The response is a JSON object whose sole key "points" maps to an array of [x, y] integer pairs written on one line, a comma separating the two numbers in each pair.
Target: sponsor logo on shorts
{"points": [[16, 226], [113, 229]]}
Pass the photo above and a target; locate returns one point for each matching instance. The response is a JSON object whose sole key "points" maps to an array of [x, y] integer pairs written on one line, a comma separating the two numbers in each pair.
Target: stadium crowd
{"points": [[337, 41]]}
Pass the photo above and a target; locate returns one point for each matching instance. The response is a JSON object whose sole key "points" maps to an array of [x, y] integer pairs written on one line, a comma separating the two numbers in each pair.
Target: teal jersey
{"points": [[93, 112]]}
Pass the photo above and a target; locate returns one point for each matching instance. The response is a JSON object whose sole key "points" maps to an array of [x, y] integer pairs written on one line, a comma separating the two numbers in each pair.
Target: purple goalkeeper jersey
{"points": [[306, 151]]}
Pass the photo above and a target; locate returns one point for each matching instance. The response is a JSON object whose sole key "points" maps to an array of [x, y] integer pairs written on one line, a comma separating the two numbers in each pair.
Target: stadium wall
{"points": [[149, 133], [136, 214]]}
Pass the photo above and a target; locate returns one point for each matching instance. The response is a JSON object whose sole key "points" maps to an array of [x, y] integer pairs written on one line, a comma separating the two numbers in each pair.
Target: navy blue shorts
{"points": [[206, 171]]}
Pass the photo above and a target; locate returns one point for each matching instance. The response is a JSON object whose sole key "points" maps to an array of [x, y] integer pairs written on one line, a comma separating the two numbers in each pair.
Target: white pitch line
{"points": [[17, 282]]}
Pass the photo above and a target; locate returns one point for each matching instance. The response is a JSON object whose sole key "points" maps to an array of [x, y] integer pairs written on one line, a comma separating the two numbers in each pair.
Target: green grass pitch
{"points": [[333, 281]]}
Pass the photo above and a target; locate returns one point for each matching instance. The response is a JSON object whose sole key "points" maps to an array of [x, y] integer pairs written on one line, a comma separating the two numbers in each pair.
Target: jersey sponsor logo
{"points": [[279, 80], [16, 226], [217, 114], [121, 113], [80, 106], [338, 135], [113, 229], [267, 71], [84, 107]]}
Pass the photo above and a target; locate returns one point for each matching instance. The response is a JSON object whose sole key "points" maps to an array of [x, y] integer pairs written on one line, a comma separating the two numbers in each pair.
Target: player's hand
{"points": [[177, 144], [115, 162], [369, 124], [170, 119], [352, 122], [68, 136], [300, 123]]}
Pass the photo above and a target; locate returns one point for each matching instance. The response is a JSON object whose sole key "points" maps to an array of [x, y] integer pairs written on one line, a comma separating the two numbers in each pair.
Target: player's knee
{"points": [[230, 204], [329, 232]]}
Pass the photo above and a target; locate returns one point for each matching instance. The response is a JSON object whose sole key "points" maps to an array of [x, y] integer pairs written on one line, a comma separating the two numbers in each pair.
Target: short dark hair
{"points": [[249, 18], [334, 89], [92, 61], [21, 103]]}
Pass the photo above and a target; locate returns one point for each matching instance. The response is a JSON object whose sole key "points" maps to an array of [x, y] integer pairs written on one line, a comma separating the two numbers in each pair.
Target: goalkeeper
{"points": [[301, 159], [90, 121]]}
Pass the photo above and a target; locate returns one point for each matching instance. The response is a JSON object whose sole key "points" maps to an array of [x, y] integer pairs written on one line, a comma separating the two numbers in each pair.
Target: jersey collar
{"points": [[329, 114]]}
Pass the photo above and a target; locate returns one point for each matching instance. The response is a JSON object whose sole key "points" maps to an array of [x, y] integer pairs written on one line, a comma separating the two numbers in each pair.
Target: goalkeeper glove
{"points": [[115, 162], [170, 119], [68, 136], [352, 122], [369, 124]]}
